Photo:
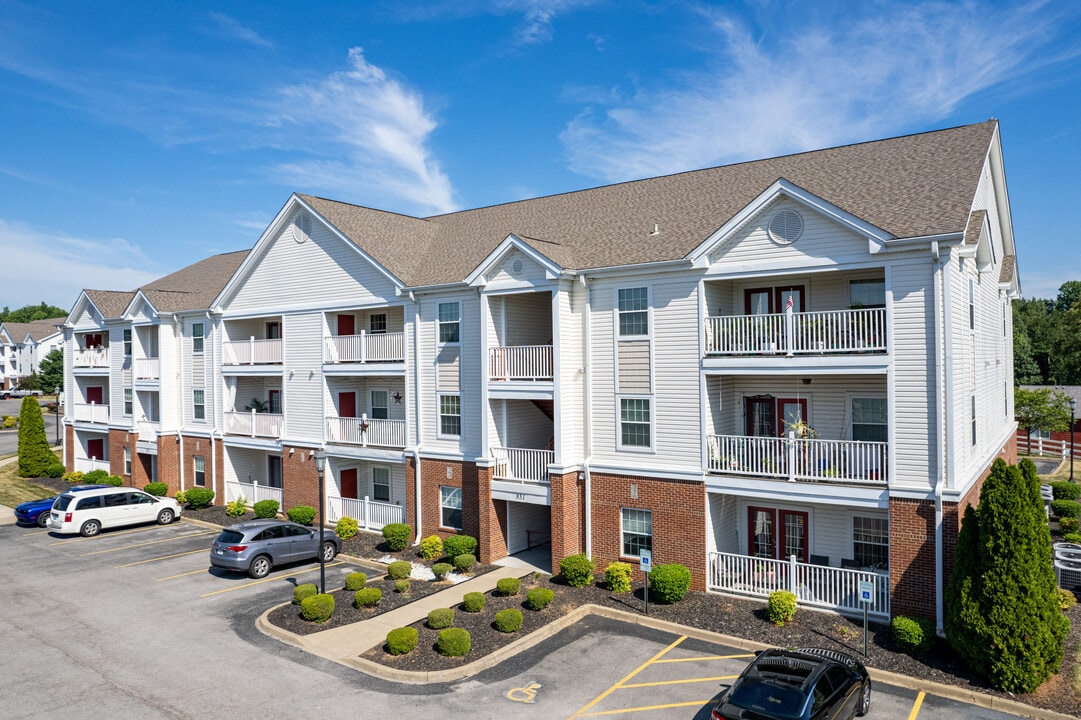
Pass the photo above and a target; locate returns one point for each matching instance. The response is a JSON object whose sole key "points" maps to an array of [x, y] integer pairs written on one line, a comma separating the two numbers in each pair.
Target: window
{"points": [[198, 399], [197, 338], [127, 402], [450, 317], [871, 542], [972, 413], [450, 504], [127, 343], [127, 461], [637, 531], [380, 405], [450, 415], [634, 425], [870, 419], [381, 484], [867, 293], [633, 311], [200, 470], [273, 330], [377, 323], [971, 304], [274, 471]]}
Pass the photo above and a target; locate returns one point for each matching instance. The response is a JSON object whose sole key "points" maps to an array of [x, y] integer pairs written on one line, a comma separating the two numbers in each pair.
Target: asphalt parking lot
{"points": [[134, 624]]}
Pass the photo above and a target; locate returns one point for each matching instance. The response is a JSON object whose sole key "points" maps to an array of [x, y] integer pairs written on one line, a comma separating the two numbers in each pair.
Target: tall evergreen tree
{"points": [[34, 454]]}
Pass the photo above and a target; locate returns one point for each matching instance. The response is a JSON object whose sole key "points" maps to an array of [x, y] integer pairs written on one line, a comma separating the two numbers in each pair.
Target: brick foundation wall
{"points": [[69, 448], [193, 446], [118, 440], [491, 533], [567, 526], [300, 480], [169, 462]]}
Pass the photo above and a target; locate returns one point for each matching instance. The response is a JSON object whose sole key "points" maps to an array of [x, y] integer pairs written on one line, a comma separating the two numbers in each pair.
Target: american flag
{"points": [[788, 304]]}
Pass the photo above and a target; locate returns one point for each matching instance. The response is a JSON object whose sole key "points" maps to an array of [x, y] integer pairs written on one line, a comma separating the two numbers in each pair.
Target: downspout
{"points": [[588, 400], [942, 345], [416, 411]]}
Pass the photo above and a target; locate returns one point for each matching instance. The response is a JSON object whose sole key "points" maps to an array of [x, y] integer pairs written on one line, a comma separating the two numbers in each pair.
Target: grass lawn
{"points": [[15, 490]]}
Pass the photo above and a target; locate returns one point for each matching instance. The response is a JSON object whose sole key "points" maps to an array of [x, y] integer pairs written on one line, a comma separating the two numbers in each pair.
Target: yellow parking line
{"points": [[112, 534], [266, 579], [680, 682], [39, 532], [163, 557], [696, 703], [193, 572], [150, 542], [916, 706], [643, 666], [706, 657]]}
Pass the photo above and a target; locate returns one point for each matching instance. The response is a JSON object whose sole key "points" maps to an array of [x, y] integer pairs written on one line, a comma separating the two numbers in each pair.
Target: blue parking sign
{"points": [[646, 561]]}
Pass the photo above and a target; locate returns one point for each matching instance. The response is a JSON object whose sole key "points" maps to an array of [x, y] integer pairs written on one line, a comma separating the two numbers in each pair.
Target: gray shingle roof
{"points": [[38, 329]]}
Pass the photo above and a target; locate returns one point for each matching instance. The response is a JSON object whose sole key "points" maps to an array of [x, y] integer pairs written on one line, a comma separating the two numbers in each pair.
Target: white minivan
{"points": [[88, 511]]}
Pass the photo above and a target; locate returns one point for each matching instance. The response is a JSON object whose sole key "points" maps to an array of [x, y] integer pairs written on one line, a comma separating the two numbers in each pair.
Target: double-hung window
{"points": [[127, 343], [377, 323], [127, 461], [450, 415], [200, 470], [450, 320], [198, 401], [637, 531], [380, 405], [871, 541], [870, 419], [867, 293], [634, 423], [127, 402], [971, 304], [633, 312], [450, 505], [197, 338], [381, 484]]}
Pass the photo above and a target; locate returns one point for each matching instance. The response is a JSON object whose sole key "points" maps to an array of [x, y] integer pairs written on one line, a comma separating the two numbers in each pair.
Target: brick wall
{"points": [[69, 447], [118, 440], [169, 462], [567, 531], [193, 446], [491, 531], [300, 481]]}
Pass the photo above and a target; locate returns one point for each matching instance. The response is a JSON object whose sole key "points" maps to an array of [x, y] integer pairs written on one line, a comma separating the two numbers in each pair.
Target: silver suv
{"points": [[256, 546]]}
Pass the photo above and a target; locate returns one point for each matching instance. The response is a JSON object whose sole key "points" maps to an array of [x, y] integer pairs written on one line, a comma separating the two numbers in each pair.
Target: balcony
{"points": [[92, 413], [253, 424], [369, 514], [366, 432], [252, 352], [520, 362], [521, 465], [799, 459], [252, 492], [365, 348], [791, 333], [96, 357], [147, 368]]}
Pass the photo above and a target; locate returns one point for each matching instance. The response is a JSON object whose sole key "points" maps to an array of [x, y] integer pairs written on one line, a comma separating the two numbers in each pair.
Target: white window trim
{"points": [[386, 322], [127, 461], [194, 405], [129, 412], [850, 396], [440, 323], [622, 544], [129, 343], [652, 424], [442, 506], [617, 312], [195, 470], [439, 416], [201, 337], [371, 401], [852, 533], [387, 470]]}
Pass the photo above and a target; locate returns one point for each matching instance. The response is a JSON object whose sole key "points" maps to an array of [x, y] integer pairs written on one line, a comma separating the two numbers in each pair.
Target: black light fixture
{"points": [[1073, 409], [320, 465]]}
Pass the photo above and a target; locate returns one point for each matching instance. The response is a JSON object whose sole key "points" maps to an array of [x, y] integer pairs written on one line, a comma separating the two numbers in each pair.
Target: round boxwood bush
{"points": [[400, 570], [355, 581], [1065, 508], [431, 547], [617, 576], [402, 587], [456, 545], [441, 618], [347, 528], [401, 640], [301, 514], [96, 477], [441, 570], [367, 597], [397, 536], [539, 598], [1066, 490], [669, 583], [509, 620], [317, 608], [266, 509], [465, 561], [453, 642], [114, 480], [913, 635], [54, 471], [576, 570], [304, 591], [473, 602], [508, 586], [199, 497], [781, 607], [157, 489]]}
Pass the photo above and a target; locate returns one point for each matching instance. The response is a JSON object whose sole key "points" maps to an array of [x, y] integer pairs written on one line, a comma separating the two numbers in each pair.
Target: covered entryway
{"points": [[528, 526]]}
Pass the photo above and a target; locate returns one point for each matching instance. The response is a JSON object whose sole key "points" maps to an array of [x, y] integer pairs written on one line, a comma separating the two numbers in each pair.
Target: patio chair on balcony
{"points": [[849, 564], [823, 560]]}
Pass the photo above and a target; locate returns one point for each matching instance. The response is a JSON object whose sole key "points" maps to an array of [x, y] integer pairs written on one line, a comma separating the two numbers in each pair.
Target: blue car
{"points": [[36, 512]]}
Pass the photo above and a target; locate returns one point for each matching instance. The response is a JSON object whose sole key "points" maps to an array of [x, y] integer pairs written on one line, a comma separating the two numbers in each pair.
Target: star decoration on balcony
{"points": [[364, 427], [398, 398]]}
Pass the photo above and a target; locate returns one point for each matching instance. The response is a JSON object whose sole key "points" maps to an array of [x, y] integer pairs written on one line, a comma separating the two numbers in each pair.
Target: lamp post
{"points": [[57, 414], [320, 465], [1073, 409]]}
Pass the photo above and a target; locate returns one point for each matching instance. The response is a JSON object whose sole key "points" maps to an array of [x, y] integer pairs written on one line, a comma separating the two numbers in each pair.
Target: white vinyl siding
{"points": [[634, 366], [522, 518], [915, 414], [302, 386]]}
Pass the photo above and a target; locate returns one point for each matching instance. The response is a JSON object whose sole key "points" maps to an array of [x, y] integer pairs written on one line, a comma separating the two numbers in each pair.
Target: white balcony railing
{"points": [[252, 352], [90, 357], [365, 347], [148, 430], [92, 413], [147, 368], [522, 465], [814, 585], [89, 464], [253, 424], [520, 362], [252, 492], [369, 514], [366, 431], [845, 461], [792, 333]]}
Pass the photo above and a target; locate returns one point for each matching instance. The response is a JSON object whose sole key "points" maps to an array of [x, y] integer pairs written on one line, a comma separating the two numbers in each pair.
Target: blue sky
{"points": [[136, 138]]}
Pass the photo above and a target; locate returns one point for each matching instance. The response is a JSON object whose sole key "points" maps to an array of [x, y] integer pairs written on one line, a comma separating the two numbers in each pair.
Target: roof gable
{"points": [[514, 262]]}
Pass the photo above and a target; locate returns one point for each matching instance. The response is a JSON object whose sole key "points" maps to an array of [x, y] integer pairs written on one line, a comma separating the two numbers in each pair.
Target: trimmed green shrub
{"points": [[781, 607], [96, 477], [402, 587], [54, 471], [114, 480], [617, 576], [401, 640], [509, 620], [441, 570], [539, 598], [355, 581], [1066, 599], [453, 642], [317, 608], [181, 498], [400, 570], [237, 507], [1065, 508], [347, 528], [441, 618], [456, 545], [431, 547], [199, 497], [8, 422], [576, 570], [508, 586], [465, 561], [75, 477], [1068, 524], [1072, 538], [669, 583], [474, 602], [1066, 490], [301, 514], [397, 536], [157, 489], [367, 597], [34, 454], [913, 635], [266, 509], [304, 591]]}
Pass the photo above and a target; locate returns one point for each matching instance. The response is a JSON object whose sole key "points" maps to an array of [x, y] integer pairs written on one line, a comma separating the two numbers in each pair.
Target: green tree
{"points": [[1041, 409], [34, 454], [1068, 295], [1002, 612], [30, 382], [51, 371], [30, 313]]}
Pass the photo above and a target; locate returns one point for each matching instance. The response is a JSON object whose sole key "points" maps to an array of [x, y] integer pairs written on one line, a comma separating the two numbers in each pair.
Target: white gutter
{"points": [[417, 412], [941, 345], [586, 380]]}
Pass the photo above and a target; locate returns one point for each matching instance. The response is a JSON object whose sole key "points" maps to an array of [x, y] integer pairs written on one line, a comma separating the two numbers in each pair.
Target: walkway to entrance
{"points": [[538, 559]]}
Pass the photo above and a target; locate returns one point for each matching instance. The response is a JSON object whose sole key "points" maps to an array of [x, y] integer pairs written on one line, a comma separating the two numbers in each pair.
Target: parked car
{"points": [[89, 511], [256, 546], [8, 394], [36, 512], [797, 684]]}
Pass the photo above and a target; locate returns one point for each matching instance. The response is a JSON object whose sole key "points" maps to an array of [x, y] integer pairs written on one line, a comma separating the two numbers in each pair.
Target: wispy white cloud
{"points": [[807, 84], [56, 267], [538, 17], [1044, 284], [228, 28]]}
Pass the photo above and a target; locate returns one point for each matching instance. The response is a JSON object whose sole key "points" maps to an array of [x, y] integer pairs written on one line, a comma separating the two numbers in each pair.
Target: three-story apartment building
{"points": [[23, 346], [789, 373]]}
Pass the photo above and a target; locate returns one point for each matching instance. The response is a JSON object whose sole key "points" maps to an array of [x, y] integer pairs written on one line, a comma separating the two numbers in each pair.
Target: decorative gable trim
{"points": [[82, 304], [132, 310], [552, 270]]}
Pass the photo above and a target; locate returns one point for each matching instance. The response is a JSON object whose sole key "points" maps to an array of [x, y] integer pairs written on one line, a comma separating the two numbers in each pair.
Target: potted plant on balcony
{"points": [[259, 406], [802, 430]]}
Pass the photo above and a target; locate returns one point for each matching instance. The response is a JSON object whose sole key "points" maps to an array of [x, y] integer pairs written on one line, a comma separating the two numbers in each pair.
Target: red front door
{"points": [[347, 404], [95, 395], [95, 449], [778, 534], [93, 340], [789, 412], [346, 325], [348, 480]]}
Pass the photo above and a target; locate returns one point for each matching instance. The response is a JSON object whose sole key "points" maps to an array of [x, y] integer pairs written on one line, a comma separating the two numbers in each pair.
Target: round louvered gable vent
{"points": [[517, 266], [302, 227], [786, 227]]}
